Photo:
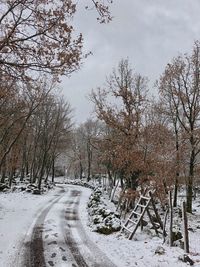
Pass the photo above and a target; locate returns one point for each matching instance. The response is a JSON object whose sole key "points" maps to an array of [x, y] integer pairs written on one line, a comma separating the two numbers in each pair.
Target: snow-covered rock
{"points": [[81, 183], [186, 258], [103, 220], [160, 250], [3, 187]]}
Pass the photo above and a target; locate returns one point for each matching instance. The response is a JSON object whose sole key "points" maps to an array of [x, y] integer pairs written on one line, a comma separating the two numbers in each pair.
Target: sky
{"points": [[147, 32]]}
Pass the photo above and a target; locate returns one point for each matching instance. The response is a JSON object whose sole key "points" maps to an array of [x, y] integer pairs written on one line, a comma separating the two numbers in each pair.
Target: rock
{"points": [[28, 190], [105, 221], [179, 243], [190, 229], [176, 236], [5, 190], [97, 219], [117, 214], [103, 229], [96, 198], [160, 250], [97, 191], [178, 211], [154, 219], [81, 183], [107, 212], [31, 186], [144, 223], [108, 221], [186, 258], [14, 188], [116, 224], [176, 233], [36, 192], [22, 188], [3, 186]]}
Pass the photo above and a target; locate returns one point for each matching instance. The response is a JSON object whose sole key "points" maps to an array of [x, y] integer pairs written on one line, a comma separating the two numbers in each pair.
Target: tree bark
{"points": [[185, 229], [176, 181], [53, 170], [175, 190], [189, 188], [171, 220]]}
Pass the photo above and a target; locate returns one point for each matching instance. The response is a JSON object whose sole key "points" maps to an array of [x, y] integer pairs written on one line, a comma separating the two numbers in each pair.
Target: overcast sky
{"points": [[149, 32]]}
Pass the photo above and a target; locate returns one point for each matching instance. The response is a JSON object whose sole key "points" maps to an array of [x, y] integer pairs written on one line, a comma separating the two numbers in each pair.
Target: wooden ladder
{"points": [[135, 218]]}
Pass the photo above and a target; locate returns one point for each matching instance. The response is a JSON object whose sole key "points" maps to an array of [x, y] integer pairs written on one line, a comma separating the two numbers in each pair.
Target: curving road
{"points": [[58, 237]]}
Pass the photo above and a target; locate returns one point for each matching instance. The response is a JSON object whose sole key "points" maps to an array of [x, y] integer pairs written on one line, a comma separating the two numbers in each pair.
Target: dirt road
{"points": [[58, 238]]}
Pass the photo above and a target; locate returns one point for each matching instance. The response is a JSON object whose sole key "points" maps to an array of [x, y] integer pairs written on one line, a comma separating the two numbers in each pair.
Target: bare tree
{"points": [[180, 83], [53, 121], [24, 103], [77, 155], [90, 131]]}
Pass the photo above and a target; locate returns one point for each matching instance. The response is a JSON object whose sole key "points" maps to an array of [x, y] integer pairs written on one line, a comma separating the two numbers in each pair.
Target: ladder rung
{"points": [[147, 198], [124, 227], [136, 213], [143, 206], [132, 221]]}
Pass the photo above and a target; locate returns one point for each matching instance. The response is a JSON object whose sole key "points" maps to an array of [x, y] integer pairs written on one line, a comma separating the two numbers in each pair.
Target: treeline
{"points": [[35, 124], [143, 140], [38, 44]]}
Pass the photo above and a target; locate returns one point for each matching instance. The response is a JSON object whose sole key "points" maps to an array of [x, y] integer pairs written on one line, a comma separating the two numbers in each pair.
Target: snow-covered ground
{"points": [[19, 210], [141, 250]]}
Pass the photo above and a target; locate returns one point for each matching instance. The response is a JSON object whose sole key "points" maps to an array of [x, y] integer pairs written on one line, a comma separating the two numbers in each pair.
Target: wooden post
{"points": [[185, 228], [164, 225], [114, 190], [141, 210], [171, 220], [156, 211]]}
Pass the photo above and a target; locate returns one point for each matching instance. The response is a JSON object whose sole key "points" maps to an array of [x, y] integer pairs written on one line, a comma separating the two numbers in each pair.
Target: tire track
{"points": [[34, 253], [77, 249], [71, 215], [99, 259]]}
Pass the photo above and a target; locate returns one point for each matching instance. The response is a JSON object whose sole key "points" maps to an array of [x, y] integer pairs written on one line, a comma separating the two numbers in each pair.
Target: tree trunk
{"points": [[22, 174], [42, 170], [3, 172], [176, 182], [53, 170], [175, 190], [171, 220], [11, 177], [185, 229], [189, 187], [89, 161], [81, 171], [23, 163], [89, 169], [122, 182], [114, 190], [189, 193]]}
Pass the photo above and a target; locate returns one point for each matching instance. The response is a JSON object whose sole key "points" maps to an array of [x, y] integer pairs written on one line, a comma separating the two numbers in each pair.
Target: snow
{"points": [[53, 236], [141, 250], [19, 210]]}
